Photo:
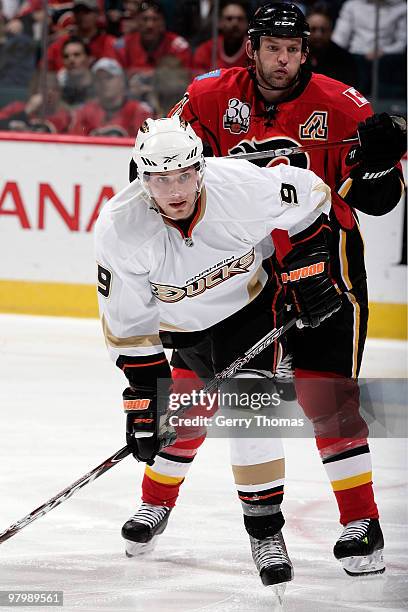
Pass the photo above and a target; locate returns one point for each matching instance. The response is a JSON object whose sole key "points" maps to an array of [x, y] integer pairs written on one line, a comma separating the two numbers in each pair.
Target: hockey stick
{"points": [[273, 153], [65, 494], [52, 503]]}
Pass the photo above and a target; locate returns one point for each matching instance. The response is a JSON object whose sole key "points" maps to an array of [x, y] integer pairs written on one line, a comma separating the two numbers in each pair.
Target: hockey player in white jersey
{"points": [[182, 248]]}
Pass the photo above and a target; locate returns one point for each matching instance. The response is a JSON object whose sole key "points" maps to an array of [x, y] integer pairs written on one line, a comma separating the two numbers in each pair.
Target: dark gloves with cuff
{"points": [[147, 431], [383, 142], [312, 289]]}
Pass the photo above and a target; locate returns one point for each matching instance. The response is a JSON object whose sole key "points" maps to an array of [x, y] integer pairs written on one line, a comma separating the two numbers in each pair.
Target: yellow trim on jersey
{"points": [[68, 300], [344, 260], [345, 188], [352, 299], [170, 328], [256, 283], [169, 480], [352, 482], [131, 341], [359, 231], [326, 190], [356, 332]]}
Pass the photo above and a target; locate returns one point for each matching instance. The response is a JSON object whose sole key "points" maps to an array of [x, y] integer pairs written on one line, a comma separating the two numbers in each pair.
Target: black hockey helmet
{"points": [[278, 19]]}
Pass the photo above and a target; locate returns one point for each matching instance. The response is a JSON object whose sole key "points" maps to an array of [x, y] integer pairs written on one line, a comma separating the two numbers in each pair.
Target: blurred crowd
{"points": [[100, 67]]}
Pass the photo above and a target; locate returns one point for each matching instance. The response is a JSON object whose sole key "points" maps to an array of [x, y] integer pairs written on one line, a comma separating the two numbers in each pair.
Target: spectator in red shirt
{"points": [[111, 113], [144, 49], [233, 26], [86, 28], [38, 115]]}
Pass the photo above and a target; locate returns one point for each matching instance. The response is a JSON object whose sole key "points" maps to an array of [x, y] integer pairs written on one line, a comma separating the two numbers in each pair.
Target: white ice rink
{"points": [[61, 415]]}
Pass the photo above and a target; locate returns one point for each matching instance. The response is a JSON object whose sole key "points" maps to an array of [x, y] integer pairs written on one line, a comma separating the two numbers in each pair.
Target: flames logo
{"points": [[300, 160], [315, 127]]}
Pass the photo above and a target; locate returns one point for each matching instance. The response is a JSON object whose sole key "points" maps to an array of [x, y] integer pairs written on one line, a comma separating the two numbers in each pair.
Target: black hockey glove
{"points": [[146, 431], [383, 141], [314, 294]]}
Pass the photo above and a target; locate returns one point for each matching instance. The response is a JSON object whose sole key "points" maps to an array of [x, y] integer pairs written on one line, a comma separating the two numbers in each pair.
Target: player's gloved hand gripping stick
{"points": [[146, 429], [383, 141], [314, 293]]}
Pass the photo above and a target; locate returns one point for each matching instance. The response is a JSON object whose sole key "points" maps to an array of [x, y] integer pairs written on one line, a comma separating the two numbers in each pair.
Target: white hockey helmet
{"points": [[168, 144]]}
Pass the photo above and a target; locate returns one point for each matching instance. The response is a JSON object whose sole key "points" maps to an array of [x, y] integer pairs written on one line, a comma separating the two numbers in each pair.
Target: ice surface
{"points": [[61, 415]]}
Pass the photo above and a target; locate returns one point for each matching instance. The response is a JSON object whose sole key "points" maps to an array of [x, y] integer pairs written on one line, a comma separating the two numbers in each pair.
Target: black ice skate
{"points": [[141, 529], [272, 562], [284, 379], [360, 548]]}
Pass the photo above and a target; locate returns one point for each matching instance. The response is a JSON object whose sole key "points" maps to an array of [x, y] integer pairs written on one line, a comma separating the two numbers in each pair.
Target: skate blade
{"points": [[279, 591], [361, 566], [138, 549]]}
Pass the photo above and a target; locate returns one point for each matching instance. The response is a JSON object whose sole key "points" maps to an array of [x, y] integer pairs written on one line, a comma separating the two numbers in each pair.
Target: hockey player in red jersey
{"points": [[278, 103]]}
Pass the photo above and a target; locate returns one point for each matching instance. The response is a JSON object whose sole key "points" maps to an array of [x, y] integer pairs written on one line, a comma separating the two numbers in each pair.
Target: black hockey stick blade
{"points": [[65, 494]]}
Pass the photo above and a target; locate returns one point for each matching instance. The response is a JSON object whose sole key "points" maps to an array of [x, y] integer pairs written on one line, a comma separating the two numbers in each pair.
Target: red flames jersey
{"points": [[225, 108]]}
